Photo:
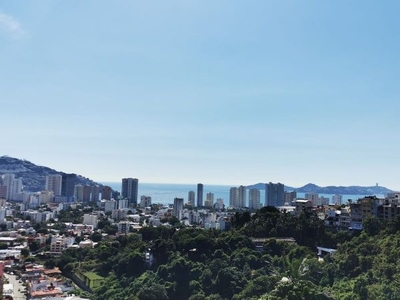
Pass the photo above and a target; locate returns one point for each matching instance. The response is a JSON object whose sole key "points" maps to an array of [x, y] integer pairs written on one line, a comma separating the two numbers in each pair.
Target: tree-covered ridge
{"points": [[210, 264]]}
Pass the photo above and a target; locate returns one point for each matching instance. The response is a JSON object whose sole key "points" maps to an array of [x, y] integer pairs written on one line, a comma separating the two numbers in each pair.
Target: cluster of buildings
{"points": [[333, 211], [61, 191], [64, 188], [126, 212], [250, 198], [274, 195], [386, 209], [34, 281]]}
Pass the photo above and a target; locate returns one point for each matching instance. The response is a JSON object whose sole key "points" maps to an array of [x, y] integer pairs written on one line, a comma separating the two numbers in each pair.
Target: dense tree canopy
{"points": [[213, 265]]}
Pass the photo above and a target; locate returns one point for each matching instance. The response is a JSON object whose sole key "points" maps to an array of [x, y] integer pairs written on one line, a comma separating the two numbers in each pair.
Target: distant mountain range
{"points": [[34, 179], [33, 176], [342, 190]]}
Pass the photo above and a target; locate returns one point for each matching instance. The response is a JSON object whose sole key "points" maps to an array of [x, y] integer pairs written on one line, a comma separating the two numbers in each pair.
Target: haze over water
{"points": [[165, 193]]}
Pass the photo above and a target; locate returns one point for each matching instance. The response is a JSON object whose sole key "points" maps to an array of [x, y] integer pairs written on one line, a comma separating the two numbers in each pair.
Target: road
{"points": [[18, 287]]}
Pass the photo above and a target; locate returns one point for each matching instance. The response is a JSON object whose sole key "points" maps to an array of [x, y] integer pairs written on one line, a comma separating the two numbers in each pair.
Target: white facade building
{"points": [[14, 186], [234, 197], [110, 205], [92, 220], [337, 199], [209, 200], [123, 203], [145, 201], [254, 199], [53, 183], [313, 197]]}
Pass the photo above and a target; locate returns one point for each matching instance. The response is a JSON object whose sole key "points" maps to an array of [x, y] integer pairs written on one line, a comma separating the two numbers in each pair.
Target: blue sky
{"points": [[219, 92]]}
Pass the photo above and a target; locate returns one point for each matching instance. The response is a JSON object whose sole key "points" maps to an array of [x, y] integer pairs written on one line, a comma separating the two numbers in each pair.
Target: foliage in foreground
{"points": [[199, 264]]}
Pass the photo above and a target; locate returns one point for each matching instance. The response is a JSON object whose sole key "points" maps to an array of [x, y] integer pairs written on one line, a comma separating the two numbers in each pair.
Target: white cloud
{"points": [[10, 26]]}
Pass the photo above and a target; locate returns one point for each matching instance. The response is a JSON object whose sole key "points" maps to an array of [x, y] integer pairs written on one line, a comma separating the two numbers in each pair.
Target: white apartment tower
{"points": [[54, 183], [209, 200], [234, 197], [14, 186], [337, 199], [254, 199], [110, 205], [242, 196], [313, 197]]}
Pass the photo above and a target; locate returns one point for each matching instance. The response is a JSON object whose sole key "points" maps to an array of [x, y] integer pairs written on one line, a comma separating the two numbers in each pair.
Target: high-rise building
{"points": [[68, 184], [106, 192], [242, 196], [78, 192], [290, 197], [323, 200], [87, 190], [130, 190], [3, 192], [313, 197], [209, 200], [82, 193], [95, 193], [14, 186], [234, 197], [274, 194], [53, 184], [178, 207], [199, 195], [254, 199], [191, 197], [337, 199], [45, 197], [115, 195]]}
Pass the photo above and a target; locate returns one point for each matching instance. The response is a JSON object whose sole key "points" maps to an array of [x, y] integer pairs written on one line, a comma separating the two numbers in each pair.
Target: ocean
{"points": [[165, 193]]}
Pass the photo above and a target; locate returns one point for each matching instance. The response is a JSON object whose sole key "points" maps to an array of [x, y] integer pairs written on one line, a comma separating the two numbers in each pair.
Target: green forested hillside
{"points": [[200, 264]]}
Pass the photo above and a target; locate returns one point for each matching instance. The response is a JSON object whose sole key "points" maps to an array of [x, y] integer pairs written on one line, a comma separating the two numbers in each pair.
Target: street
{"points": [[18, 287]]}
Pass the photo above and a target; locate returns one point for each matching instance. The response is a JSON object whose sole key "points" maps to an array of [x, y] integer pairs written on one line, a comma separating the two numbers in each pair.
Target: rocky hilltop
{"points": [[342, 190], [33, 176]]}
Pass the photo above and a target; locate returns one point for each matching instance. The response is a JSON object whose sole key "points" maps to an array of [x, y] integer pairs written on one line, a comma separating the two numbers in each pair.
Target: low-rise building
{"points": [[303, 205], [363, 208], [60, 244]]}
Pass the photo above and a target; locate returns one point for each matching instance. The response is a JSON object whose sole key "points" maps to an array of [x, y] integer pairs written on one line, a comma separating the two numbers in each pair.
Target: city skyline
{"points": [[221, 92]]}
